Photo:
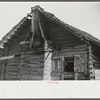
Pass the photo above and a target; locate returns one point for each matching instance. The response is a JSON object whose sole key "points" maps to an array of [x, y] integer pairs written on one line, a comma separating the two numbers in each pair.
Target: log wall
{"points": [[80, 64], [29, 65], [68, 45]]}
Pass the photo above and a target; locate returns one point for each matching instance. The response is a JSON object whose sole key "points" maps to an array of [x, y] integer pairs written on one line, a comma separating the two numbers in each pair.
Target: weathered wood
{"points": [[47, 65], [31, 77], [14, 60], [80, 64], [69, 54], [56, 78], [31, 73], [24, 42], [12, 64], [56, 72], [11, 68], [31, 65], [33, 29], [69, 75], [33, 57], [81, 76], [7, 57]]}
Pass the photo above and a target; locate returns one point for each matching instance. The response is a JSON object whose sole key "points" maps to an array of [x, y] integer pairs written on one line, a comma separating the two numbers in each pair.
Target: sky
{"points": [[82, 15]]}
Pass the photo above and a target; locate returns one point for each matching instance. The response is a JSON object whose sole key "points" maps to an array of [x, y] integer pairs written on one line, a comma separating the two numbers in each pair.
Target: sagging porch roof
{"points": [[79, 33]]}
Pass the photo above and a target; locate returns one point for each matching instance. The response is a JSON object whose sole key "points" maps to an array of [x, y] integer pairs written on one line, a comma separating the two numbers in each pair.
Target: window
{"points": [[67, 63]]}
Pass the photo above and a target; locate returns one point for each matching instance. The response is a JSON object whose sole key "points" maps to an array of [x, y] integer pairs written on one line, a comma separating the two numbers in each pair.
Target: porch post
{"points": [[47, 63]]}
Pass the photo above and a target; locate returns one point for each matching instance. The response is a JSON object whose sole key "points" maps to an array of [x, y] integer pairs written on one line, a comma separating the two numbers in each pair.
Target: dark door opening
{"points": [[69, 69], [69, 65]]}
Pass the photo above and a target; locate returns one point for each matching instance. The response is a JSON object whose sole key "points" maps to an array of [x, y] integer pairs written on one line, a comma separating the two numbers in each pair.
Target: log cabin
{"points": [[42, 47]]}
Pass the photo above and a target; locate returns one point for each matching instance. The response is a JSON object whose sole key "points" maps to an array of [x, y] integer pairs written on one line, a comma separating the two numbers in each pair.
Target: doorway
{"points": [[69, 68]]}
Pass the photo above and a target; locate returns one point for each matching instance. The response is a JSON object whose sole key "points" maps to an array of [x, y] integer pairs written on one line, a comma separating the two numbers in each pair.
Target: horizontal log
{"points": [[14, 60], [11, 78], [12, 74], [31, 77], [32, 61], [14, 47], [32, 56], [64, 45], [24, 42], [7, 57], [31, 73], [30, 52], [68, 75], [73, 50], [81, 76], [56, 78], [14, 51], [31, 65], [24, 61], [64, 38], [70, 54], [36, 62], [12, 69], [13, 64], [33, 69], [81, 46]]}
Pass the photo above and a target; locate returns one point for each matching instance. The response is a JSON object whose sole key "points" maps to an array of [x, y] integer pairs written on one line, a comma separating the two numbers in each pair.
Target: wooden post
{"points": [[47, 63], [32, 29], [2, 72], [62, 73], [4, 62]]}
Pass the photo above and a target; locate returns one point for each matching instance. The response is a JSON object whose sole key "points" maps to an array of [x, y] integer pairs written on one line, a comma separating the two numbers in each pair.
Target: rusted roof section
{"points": [[12, 32], [72, 29]]}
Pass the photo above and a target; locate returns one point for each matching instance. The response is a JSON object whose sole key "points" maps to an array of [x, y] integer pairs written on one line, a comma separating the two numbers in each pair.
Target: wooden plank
{"points": [[80, 64]]}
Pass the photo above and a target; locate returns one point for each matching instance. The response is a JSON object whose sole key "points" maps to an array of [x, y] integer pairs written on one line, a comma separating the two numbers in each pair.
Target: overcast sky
{"points": [[85, 16]]}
